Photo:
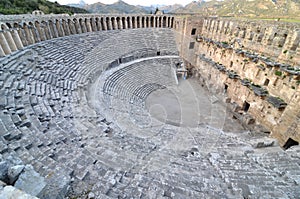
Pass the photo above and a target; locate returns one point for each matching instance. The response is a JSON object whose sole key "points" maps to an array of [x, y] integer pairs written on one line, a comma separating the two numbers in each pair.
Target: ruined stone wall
{"points": [[19, 31], [256, 65]]}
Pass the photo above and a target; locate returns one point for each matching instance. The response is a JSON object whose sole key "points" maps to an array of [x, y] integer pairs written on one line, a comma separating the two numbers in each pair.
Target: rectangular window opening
{"points": [[246, 106], [193, 31], [192, 45]]}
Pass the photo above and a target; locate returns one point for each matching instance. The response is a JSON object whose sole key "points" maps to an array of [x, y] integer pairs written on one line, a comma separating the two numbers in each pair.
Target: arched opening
{"points": [[147, 22], [35, 33], [113, 22], [93, 24], [72, 27], [128, 22], [143, 22], [82, 26], [266, 83], [172, 22], [77, 26], [59, 28], [159, 22], [138, 25], [289, 143], [108, 23], [225, 88], [124, 22], [133, 22], [193, 32], [98, 24], [152, 22], [65, 27], [119, 23], [246, 106], [52, 29], [87, 25], [8, 25], [164, 24], [40, 31], [103, 24]]}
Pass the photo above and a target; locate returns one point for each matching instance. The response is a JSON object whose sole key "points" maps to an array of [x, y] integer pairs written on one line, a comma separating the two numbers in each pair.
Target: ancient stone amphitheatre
{"points": [[148, 106]]}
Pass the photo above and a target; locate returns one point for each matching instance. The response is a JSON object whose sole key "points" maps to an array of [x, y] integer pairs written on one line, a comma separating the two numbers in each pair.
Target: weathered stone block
{"points": [[14, 172], [30, 181], [10, 192]]}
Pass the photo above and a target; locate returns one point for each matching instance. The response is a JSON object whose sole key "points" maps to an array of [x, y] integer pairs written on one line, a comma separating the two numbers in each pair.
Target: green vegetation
{"points": [[24, 7], [278, 73], [285, 51]]}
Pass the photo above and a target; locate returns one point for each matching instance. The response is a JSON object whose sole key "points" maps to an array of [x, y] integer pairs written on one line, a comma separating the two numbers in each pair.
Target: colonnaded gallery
{"points": [[148, 106]]}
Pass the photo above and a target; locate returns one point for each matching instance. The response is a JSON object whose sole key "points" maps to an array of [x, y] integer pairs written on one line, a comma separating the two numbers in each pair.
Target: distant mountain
{"points": [[81, 4], [247, 8], [170, 8], [119, 7], [164, 8]]}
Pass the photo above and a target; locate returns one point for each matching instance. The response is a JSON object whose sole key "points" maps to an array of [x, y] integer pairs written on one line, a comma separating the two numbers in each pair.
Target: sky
{"points": [[132, 2]]}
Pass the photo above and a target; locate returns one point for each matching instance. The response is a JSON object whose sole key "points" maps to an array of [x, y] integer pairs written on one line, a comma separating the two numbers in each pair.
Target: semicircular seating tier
{"points": [[48, 120]]}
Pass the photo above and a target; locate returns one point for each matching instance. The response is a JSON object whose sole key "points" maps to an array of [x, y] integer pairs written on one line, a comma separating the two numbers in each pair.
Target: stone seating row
{"points": [[40, 89], [135, 82]]}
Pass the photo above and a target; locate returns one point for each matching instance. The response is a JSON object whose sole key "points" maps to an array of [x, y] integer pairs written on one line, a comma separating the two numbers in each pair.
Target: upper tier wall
{"points": [[255, 63], [16, 32], [272, 38]]}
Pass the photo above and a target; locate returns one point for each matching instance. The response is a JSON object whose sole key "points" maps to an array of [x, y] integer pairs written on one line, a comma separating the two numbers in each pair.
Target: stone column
{"points": [[2, 54], [134, 22], [115, 24], [104, 25], [140, 22], [143, 22], [83, 26], [35, 34], [47, 30], [71, 27], [65, 28], [93, 24], [53, 29], [41, 32], [88, 25], [22, 36], [16, 38], [10, 41], [60, 29], [77, 27], [148, 22], [125, 25], [109, 24], [4, 44], [130, 22], [121, 24]]}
